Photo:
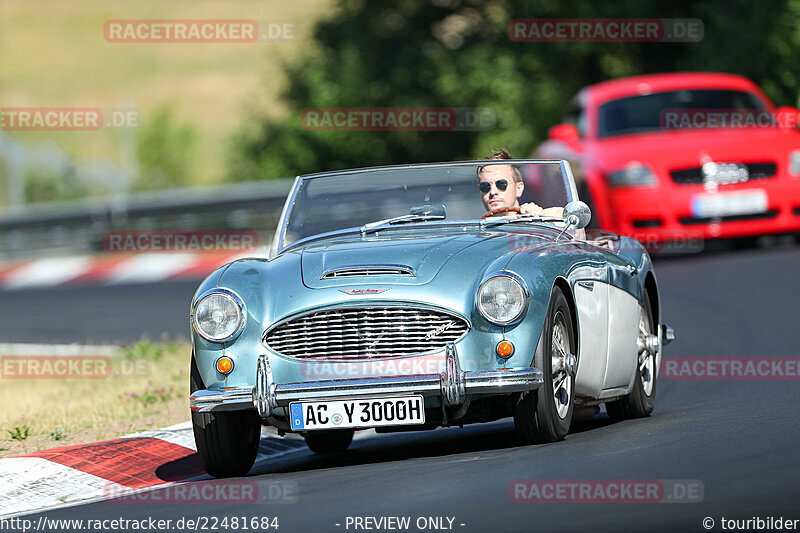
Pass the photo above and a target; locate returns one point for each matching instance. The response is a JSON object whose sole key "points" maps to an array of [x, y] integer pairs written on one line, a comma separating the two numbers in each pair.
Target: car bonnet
{"points": [[406, 258]]}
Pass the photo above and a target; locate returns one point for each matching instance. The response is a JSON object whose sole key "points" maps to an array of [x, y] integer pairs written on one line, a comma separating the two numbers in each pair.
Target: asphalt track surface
{"points": [[738, 438]]}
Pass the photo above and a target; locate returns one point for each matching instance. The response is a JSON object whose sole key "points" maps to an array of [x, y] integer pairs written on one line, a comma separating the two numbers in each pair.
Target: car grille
{"points": [[690, 221], [365, 333], [695, 175]]}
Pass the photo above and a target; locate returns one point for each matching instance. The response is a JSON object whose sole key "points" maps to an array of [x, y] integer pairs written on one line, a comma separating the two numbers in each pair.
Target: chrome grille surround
{"points": [[365, 332]]}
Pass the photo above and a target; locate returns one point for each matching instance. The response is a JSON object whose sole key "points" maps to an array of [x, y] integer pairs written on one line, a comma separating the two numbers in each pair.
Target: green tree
{"points": [[454, 53], [165, 152]]}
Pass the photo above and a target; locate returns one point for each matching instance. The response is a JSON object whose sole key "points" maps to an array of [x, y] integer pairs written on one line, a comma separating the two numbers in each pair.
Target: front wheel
{"points": [[545, 415], [227, 442]]}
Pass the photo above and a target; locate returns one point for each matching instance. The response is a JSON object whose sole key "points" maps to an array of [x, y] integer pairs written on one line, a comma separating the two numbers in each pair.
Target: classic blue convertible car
{"points": [[388, 302]]}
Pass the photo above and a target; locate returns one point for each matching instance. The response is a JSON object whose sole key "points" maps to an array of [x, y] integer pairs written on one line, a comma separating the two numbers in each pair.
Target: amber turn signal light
{"points": [[224, 365], [505, 349]]}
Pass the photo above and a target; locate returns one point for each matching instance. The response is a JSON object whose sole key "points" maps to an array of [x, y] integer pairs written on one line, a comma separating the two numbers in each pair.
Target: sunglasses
{"points": [[486, 186]]}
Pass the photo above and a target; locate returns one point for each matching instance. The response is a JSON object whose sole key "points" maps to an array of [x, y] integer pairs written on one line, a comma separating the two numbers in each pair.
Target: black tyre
{"points": [[545, 415], [642, 399], [226, 441], [331, 441]]}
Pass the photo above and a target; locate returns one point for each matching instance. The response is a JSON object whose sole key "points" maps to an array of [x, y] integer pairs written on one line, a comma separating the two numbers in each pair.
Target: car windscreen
{"points": [[650, 112], [332, 202]]}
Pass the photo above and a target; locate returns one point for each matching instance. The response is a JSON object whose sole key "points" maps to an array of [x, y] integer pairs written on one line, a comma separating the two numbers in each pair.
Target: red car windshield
{"points": [[678, 110]]}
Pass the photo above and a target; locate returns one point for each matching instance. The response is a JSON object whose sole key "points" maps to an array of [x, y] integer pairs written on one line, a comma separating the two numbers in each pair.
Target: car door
{"points": [[589, 281], [623, 324]]}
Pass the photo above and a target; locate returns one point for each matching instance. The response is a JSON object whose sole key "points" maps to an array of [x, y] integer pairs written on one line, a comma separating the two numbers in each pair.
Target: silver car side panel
{"points": [[614, 393], [591, 303], [623, 328]]}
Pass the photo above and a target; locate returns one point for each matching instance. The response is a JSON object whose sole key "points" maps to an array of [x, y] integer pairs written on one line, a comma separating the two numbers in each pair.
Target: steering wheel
{"points": [[500, 210]]}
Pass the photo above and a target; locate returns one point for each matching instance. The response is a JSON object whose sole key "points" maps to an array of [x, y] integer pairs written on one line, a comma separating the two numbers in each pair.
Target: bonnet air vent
{"points": [[369, 271]]}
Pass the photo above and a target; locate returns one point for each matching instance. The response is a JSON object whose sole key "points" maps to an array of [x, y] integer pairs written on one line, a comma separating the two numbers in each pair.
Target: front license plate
{"points": [[729, 203], [400, 411]]}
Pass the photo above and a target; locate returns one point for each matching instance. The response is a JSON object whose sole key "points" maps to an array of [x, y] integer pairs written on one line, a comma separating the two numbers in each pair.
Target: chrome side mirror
{"points": [[577, 215]]}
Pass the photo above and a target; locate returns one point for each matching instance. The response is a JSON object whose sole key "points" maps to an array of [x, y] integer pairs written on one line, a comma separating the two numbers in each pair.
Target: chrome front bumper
{"points": [[453, 385]]}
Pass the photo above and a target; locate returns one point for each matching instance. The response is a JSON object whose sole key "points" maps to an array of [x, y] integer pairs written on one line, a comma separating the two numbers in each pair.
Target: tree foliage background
{"points": [[454, 53]]}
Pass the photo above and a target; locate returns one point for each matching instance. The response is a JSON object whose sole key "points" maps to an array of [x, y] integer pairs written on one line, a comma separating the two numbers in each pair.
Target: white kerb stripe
{"points": [[47, 272], [31, 483], [180, 434], [150, 267]]}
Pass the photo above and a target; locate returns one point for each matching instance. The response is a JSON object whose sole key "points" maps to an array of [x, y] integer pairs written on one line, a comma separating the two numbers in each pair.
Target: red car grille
{"points": [[690, 176], [689, 221]]}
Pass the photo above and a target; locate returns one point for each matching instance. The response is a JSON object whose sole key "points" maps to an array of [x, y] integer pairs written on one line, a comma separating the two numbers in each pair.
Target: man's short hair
{"points": [[499, 154]]}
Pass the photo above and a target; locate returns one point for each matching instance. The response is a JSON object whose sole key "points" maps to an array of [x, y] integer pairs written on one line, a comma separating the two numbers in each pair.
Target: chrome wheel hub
{"points": [[647, 344], [563, 366]]}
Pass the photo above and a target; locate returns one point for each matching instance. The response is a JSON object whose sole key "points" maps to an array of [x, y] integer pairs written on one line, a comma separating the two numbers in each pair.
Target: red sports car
{"points": [[667, 157]]}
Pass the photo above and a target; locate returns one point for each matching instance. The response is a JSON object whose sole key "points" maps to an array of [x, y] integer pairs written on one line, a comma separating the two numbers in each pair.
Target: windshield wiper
{"points": [[372, 226]]}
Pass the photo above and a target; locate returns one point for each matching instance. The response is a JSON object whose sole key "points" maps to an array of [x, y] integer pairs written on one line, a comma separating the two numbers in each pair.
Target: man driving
{"points": [[501, 186]]}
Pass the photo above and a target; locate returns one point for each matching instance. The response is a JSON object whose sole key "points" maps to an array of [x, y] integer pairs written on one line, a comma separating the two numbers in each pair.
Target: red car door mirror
{"points": [[788, 117], [566, 133]]}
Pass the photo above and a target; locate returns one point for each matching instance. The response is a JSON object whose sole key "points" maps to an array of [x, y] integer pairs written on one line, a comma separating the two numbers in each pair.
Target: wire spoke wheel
{"points": [[544, 415], [562, 380], [647, 357], [641, 400]]}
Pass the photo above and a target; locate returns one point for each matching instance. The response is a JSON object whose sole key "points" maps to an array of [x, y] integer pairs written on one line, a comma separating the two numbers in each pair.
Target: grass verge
{"points": [[148, 387]]}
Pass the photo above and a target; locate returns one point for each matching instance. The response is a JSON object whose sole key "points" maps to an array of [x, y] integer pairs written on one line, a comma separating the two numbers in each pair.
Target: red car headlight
{"points": [[794, 163], [634, 175]]}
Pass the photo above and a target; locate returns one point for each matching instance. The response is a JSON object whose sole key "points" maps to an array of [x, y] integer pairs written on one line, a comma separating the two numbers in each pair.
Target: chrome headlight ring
{"points": [[524, 298], [238, 305]]}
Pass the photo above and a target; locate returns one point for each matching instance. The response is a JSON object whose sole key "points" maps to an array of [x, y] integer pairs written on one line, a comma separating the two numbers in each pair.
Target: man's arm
{"points": [[533, 209], [555, 212]]}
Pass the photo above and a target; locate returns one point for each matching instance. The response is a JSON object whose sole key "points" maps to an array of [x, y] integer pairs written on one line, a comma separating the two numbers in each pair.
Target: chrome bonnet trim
{"points": [[370, 270]]}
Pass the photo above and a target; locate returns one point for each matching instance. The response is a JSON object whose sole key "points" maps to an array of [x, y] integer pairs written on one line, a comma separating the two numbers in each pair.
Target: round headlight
{"points": [[502, 299], [218, 315]]}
